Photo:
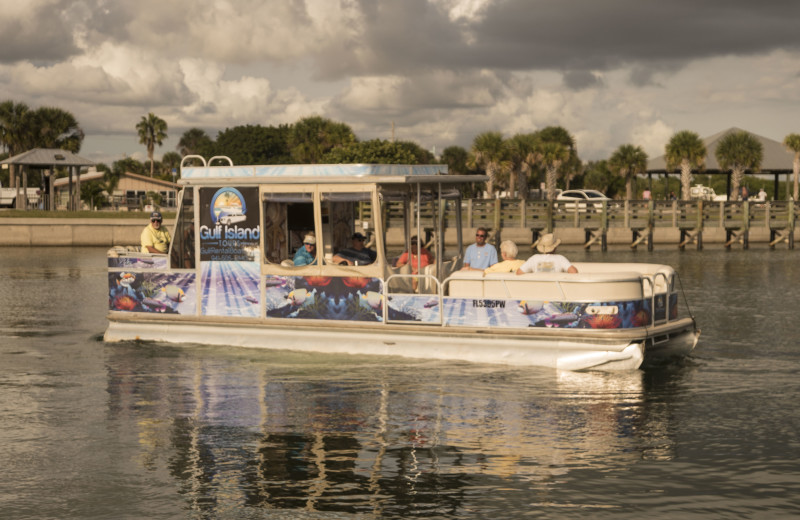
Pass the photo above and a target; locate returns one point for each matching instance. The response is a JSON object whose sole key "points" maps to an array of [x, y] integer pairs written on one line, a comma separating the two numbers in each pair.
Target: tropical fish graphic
{"points": [[297, 297], [528, 308], [374, 299], [174, 293], [275, 282], [154, 304], [126, 279], [433, 302], [560, 320]]}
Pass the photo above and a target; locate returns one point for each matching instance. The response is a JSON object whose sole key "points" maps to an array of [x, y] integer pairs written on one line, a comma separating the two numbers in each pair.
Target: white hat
{"points": [[547, 243], [310, 239]]}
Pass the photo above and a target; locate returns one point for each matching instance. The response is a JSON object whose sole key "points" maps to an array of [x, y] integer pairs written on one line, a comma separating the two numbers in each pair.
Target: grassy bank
{"points": [[135, 215]]}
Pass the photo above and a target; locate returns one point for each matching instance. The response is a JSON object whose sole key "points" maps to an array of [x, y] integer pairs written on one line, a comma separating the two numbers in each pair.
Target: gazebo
{"points": [[777, 159], [48, 158]]}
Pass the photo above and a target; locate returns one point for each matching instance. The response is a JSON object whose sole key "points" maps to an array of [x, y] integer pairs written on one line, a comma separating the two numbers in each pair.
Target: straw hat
{"points": [[547, 243]]}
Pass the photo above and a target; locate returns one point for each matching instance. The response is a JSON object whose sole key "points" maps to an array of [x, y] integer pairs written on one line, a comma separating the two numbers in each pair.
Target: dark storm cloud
{"points": [[563, 34], [38, 33]]}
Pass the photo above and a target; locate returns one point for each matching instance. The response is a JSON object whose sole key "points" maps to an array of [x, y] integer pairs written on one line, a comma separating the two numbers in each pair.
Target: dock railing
{"points": [[641, 217]]}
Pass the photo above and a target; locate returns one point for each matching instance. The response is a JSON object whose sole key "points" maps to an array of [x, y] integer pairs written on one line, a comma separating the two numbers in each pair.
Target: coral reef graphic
{"points": [[324, 298], [167, 293], [530, 313]]}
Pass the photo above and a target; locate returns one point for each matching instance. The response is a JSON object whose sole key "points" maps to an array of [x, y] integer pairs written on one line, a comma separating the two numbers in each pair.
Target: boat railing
{"points": [[413, 286]]}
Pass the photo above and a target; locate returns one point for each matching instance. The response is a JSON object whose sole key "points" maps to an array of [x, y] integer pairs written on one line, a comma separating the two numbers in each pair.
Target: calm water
{"points": [[91, 430]]}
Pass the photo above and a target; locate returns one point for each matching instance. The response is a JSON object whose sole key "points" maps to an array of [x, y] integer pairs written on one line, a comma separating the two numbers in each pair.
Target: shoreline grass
{"points": [[38, 213]]}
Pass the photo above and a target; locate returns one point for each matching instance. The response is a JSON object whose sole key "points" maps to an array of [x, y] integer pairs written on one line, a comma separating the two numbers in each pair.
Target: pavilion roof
{"points": [[777, 159], [48, 157]]}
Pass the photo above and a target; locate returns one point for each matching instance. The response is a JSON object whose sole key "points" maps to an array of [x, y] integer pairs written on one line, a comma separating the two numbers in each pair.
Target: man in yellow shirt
{"points": [[155, 239]]}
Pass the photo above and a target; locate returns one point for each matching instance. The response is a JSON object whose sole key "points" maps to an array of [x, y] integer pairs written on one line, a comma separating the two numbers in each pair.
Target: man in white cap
{"points": [[307, 254], [546, 261], [155, 239]]}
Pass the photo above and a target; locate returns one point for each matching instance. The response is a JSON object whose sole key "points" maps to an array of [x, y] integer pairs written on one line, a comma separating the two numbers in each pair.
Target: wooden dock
{"points": [[644, 220]]}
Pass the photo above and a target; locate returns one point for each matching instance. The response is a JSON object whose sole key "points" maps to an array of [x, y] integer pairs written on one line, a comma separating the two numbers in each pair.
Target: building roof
{"points": [[777, 159], [92, 175], [48, 157]]}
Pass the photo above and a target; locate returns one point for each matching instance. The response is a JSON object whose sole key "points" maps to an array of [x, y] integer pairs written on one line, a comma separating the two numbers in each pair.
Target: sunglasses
{"points": [[479, 235], [156, 220]]}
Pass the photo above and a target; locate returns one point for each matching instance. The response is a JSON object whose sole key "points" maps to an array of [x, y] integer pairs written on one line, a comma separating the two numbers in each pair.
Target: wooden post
{"points": [[496, 222]]}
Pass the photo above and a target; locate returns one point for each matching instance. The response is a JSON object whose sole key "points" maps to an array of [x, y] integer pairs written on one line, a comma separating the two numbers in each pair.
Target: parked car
{"points": [[591, 199], [700, 192]]}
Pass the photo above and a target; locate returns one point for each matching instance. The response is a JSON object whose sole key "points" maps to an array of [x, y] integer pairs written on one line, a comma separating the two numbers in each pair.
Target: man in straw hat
{"points": [[546, 261]]}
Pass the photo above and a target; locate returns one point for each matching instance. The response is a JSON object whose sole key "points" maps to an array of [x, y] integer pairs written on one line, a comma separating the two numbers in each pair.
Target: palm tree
{"points": [[490, 152], [193, 142], [152, 131], [552, 156], [792, 142], [15, 131], [739, 152], [312, 137], [524, 158], [56, 128], [628, 160], [170, 161], [685, 149], [558, 134]]}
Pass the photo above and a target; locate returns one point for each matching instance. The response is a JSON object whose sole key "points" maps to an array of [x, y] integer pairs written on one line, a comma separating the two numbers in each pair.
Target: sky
{"points": [[439, 72]]}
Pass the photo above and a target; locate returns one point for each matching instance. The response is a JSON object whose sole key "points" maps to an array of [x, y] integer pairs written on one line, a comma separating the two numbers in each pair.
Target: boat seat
{"points": [[466, 284]]}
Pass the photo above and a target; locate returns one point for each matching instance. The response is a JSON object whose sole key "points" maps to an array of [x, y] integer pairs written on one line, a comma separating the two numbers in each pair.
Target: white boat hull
{"points": [[546, 349]]}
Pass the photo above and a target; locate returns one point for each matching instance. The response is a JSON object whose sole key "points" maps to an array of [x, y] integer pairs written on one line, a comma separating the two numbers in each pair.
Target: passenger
{"points": [[155, 239], [307, 253], [547, 262], [510, 264], [425, 258], [479, 255], [356, 255]]}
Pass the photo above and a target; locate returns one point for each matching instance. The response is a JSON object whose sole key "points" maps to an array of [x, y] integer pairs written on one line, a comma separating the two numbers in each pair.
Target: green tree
{"points": [[571, 166], [128, 164], [552, 155], [93, 194], [152, 131], [627, 161], [374, 151], [686, 150], [254, 144], [194, 141], [455, 157], [56, 128], [524, 159], [792, 142], [599, 177], [313, 137], [490, 152], [169, 161], [739, 152]]}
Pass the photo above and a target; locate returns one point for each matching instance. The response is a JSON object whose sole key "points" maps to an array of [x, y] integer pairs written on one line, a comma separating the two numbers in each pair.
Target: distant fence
{"points": [[641, 217]]}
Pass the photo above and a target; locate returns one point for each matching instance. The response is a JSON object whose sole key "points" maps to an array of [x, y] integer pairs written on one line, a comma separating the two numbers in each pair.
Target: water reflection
{"points": [[412, 440]]}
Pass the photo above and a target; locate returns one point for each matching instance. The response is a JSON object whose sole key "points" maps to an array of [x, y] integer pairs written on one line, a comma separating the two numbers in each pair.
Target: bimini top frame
{"points": [[316, 173]]}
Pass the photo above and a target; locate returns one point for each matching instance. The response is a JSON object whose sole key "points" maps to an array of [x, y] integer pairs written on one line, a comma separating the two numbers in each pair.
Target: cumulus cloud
{"points": [[612, 72]]}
